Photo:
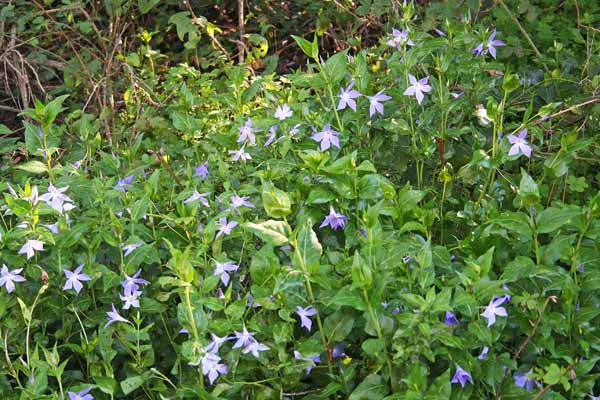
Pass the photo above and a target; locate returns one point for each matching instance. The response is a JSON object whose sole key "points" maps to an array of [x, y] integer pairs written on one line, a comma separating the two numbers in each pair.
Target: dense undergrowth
{"points": [[399, 201]]}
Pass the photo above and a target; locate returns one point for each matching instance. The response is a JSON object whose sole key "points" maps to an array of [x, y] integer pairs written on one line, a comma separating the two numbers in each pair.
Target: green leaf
{"points": [[373, 347], [347, 296], [106, 384], [147, 5], [132, 383], [441, 388], [520, 267], [552, 375], [529, 192], [35, 167], [309, 249], [320, 196], [554, 218], [276, 202], [362, 276], [310, 49], [275, 232], [336, 66], [511, 83], [371, 388]]}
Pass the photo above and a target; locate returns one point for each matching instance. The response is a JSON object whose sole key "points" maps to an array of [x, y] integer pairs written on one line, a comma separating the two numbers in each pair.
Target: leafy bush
{"points": [[419, 218]]}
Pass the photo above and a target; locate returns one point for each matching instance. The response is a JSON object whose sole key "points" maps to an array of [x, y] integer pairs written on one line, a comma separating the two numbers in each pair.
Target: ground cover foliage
{"points": [[374, 200]]}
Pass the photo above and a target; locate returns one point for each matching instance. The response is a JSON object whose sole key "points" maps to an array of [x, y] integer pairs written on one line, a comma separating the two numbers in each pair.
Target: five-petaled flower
{"points": [[461, 376], [30, 247], [198, 197], [131, 299], [247, 132], [450, 318], [130, 247], [254, 347], [75, 278], [244, 338], [523, 379], [123, 184], [519, 144], [417, 88], [311, 359], [223, 269], [8, 278], [304, 314], [83, 395], [225, 227], [399, 39], [114, 316], [56, 199], [283, 112], [490, 46], [202, 170], [375, 103], [132, 283], [237, 202], [347, 97], [327, 137], [211, 366], [240, 155], [493, 309], [334, 220]]}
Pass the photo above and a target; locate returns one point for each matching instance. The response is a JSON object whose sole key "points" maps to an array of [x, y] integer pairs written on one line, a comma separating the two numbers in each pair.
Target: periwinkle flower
{"points": [[375, 103], [225, 227], [347, 97], [484, 353], [131, 299], [254, 348], [83, 395], [582, 267], [223, 269], [304, 314], [198, 197], [327, 137], [439, 32], [244, 338], [271, 136], [247, 132], [240, 155], [295, 129], [123, 184], [490, 46], [283, 112], [338, 351], [8, 278], [56, 199], [399, 39], [215, 344], [75, 278], [314, 359], [519, 144], [211, 366], [52, 227], [417, 88], [461, 376], [244, 201], [30, 247], [132, 283], [450, 319], [128, 248], [114, 316], [493, 309], [334, 220], [202, 170], [523, 380]]}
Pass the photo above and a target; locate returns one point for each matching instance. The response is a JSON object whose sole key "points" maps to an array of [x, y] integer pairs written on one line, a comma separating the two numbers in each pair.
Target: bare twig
{"points": [[241, 30]]}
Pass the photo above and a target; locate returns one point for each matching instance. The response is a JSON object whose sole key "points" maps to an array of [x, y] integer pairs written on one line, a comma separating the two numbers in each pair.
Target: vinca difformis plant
{"points": [[410, 220]]}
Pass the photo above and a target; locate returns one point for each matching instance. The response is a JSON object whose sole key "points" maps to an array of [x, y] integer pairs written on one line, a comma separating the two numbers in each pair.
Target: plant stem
{"points": [[375, 320]]}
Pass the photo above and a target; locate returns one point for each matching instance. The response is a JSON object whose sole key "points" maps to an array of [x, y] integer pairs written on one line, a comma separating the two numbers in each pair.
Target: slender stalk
{"points": [[311, 296], [524, 32], [375, 320]]}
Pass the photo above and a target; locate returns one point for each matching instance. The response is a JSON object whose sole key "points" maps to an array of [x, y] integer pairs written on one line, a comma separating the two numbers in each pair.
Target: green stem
{"points": [[312, 300], [375, 320]]}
